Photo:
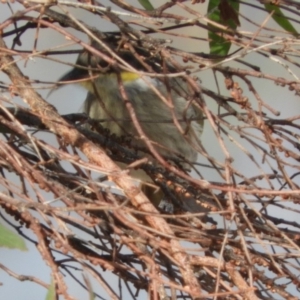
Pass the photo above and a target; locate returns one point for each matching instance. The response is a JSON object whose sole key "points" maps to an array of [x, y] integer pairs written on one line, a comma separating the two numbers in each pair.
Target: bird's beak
{"points": [[75, 75], [72, 76]]}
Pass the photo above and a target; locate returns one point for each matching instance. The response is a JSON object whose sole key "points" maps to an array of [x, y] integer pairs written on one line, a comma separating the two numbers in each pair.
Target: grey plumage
{"points": [[155, 117]]}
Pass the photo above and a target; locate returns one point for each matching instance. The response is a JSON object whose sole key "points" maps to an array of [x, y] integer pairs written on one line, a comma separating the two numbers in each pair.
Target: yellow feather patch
{"points": [[125, 77], [129, 76]]}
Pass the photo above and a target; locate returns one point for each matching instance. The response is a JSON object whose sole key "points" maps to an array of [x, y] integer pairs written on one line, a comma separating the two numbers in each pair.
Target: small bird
{"points": [[159, 99]]}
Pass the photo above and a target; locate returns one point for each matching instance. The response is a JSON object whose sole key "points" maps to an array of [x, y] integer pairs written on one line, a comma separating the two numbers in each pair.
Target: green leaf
{"points": [[224, 12], [51, 294], [280, 18], [11, 240], [146, 4]]}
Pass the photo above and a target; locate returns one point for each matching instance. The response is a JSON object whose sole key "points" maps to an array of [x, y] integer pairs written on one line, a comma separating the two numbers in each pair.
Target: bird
{"points": [[133, 75]]}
